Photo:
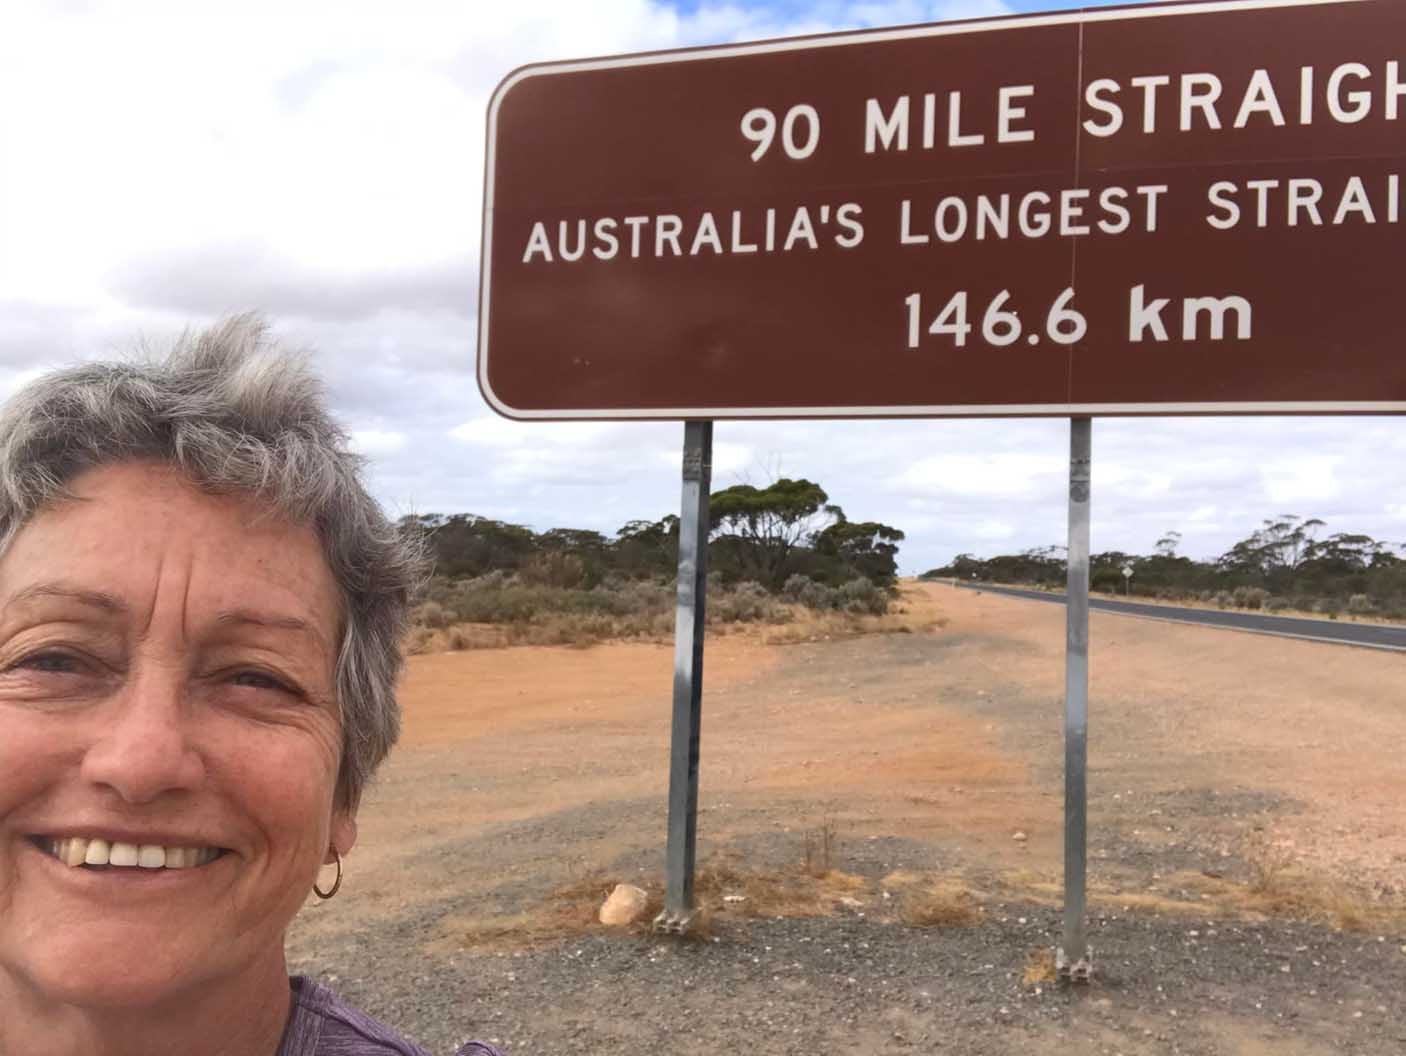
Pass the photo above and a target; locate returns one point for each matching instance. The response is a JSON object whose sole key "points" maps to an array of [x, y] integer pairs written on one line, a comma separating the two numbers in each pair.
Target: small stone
{"points": [[1019, 837], [734, 898], [625, 905]]}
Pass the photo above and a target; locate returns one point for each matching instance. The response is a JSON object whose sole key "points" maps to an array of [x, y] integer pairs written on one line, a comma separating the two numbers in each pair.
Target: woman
{"points": [[200, 614]]}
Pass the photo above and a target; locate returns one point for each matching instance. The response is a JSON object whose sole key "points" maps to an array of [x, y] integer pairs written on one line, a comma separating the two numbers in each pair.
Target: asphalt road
{"points": [[1334, 632]]}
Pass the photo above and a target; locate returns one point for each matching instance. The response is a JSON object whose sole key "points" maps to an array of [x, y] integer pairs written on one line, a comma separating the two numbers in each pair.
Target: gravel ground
{"points": [[936, 754], [850, 983]]}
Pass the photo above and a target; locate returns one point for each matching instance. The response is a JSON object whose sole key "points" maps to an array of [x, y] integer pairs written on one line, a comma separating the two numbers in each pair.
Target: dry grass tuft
{"points": [[722, 888], [939, 905], [819, 848], [1276, 886], [927, 900], [569, 910], [808, 625], [1294, 893], [1291, 893], [771, 893], [571, 629], [1040, 967], [1268, 860]]}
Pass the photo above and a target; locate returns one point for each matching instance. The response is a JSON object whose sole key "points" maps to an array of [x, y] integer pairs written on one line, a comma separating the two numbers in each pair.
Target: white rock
{"points": [[625, 905], [1019, 837], [734, 898]]}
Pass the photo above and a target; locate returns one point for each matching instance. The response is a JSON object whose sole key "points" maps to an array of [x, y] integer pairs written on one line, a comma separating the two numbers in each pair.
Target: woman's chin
{"points": [[83, 974]]}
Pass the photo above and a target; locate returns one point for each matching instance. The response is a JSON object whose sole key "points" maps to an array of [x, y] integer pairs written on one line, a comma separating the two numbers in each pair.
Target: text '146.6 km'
{"points": [[1199, 318]]}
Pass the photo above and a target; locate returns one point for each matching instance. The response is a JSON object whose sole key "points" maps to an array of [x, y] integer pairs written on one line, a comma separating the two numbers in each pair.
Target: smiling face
{"points": [[166, 693]]}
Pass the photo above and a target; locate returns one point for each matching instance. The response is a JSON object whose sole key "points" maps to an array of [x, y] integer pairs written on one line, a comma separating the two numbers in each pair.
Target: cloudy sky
{"points": [[165, 163]]}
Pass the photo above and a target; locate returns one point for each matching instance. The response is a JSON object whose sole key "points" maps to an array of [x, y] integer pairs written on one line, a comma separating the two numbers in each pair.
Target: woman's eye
{"points": [[260, 680], [50, 663]]}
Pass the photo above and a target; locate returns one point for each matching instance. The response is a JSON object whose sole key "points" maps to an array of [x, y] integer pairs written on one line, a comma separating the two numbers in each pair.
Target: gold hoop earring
{"points": [[336, 884]]}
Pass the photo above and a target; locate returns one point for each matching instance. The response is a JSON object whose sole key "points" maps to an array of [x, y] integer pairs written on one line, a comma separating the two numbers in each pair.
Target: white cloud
{"points": [[496, 432], [378, 441], [1009, 475], [1131, 480], [994, 531], [1303, 478]]}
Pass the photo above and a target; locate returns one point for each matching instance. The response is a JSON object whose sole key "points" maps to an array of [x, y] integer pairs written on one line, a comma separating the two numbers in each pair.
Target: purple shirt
{"points": [[321, 1024]]}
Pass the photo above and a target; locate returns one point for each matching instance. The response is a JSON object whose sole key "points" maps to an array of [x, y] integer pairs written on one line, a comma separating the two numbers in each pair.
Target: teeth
{"points": [[78, 850]]}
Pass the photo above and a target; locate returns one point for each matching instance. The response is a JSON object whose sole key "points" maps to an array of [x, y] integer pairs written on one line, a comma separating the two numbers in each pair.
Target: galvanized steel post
{"points": [[688, 679], [1073, 959]]}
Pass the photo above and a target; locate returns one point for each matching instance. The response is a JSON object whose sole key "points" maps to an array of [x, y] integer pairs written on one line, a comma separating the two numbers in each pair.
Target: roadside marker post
{"points": [[689, 626], [1073, 959]]}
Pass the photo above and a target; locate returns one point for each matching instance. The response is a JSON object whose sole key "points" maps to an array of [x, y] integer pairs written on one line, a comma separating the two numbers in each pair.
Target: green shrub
{"points": [[432, 615], [554, 569], [746, 602], [805, 591], [1249, 597], [1330, 607], [861, 596]]}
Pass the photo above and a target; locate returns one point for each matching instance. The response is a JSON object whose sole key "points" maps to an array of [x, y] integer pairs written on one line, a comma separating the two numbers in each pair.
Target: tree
{"points": [[464, 544], [858, 548], [569, 557], [963, 567], [758, 529], [1167, 545], [645, 548], [1273, 551]]}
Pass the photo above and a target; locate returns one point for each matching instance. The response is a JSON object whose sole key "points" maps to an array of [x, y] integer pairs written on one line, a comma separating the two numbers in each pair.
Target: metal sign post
{"points": [[688, 679], [1073, 959]]}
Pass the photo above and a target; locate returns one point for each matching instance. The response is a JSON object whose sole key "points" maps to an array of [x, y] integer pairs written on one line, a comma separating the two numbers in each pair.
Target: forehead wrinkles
{"points": [[151, 552], [174, 573]]}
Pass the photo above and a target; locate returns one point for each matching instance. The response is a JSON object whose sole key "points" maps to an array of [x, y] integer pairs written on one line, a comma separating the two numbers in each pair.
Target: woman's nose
{"points": [[143, 749]]}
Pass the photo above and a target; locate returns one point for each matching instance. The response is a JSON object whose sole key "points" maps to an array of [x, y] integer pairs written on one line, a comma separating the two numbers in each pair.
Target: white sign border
{"points": [[843, 39]]}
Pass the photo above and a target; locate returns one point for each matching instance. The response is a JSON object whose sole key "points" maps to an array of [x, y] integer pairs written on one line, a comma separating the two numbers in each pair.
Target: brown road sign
{"points": [[1172, 209]]}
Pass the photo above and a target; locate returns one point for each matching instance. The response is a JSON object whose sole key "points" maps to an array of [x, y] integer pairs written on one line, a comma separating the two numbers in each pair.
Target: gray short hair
{"points": [[235, 412]]}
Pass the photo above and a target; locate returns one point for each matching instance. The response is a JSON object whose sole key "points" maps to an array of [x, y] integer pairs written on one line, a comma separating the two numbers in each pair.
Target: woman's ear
{"points": [[343, 833]]}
